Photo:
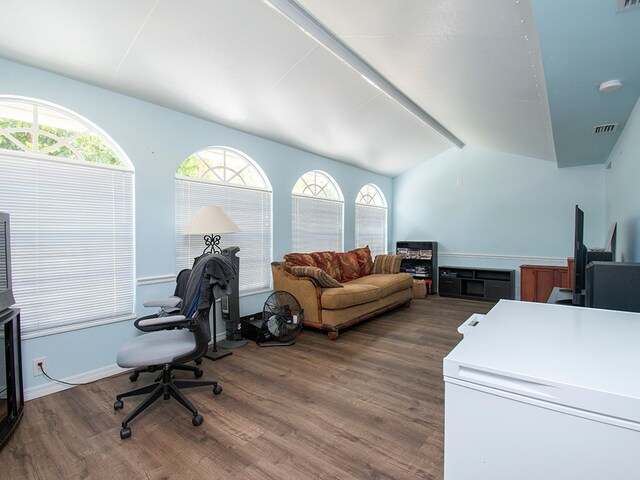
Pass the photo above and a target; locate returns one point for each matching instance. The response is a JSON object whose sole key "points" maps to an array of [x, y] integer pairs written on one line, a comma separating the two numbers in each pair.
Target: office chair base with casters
{"points": [[197, 371], [166, 387]]}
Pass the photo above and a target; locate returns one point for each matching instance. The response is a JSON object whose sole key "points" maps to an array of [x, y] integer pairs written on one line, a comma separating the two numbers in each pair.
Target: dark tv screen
{"points": [[579, 258]]}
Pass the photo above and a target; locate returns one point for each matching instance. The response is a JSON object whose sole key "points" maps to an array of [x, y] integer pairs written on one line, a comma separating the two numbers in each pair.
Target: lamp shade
{"points": [[211, 219]]}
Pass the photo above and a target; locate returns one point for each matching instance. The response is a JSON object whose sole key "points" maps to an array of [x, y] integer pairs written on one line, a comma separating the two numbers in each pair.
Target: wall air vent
{"points": [[609, 128], [624, 5]]}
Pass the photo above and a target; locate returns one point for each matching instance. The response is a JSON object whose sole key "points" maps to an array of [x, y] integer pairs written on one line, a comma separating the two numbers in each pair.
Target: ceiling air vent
{"points": [[624, 5], [611, 127]]}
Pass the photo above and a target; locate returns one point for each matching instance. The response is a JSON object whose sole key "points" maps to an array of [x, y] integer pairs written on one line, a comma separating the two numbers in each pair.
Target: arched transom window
{"points": [[45, 131], [227, 178], [317, 215], [69, 190], [371, 219], [224, 165]]}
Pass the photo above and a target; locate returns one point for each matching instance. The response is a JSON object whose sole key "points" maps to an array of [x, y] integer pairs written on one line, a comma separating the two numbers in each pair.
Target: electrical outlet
{"points": [[36, 368]]}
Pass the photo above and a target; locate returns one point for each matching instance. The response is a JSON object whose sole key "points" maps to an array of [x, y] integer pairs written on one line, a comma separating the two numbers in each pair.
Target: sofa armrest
{"points": [[304, 289]]}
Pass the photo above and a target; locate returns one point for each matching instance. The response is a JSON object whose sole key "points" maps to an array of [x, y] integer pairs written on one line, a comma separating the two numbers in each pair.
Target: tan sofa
{"points": [[332, 309]]}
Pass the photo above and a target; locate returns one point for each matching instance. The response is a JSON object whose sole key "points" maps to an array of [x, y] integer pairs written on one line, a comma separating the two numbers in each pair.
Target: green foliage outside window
{"points": [[90, 147]]}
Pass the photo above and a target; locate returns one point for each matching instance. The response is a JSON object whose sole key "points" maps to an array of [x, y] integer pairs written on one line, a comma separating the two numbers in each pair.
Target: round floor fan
{"points": [[282, 319]]}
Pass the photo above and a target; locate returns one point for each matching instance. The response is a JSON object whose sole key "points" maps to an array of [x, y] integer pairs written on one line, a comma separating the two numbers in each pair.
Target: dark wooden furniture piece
{"points": [[421, 261], [489, 284], [11, 390], [537, 281]]}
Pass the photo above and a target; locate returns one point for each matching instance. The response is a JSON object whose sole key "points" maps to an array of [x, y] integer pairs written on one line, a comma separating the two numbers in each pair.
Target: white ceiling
{"points": [[472, 65]]}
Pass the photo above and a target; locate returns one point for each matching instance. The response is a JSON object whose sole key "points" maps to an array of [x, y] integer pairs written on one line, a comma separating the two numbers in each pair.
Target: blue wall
{"points": [[493, 209], [622, 187], [157, 140], [485, 208]]}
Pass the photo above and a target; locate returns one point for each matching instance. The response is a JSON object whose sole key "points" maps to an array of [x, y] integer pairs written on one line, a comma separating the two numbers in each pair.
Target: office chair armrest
{"points": [[160, 323], [168, 302]]}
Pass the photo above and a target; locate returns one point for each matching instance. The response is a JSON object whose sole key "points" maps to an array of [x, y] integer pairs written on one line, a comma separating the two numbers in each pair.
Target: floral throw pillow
{"points": [[365, 264], [348, 265], [298, 260], [320, 276], [328, 261]]}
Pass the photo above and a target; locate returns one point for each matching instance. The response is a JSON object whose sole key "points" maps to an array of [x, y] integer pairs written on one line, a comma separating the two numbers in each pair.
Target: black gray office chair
{"points": [[208, 280], [168, 306]]}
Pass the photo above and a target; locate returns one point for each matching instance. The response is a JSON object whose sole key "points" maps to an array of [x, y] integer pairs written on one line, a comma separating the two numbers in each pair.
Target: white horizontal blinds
{"points": [[317, 224], [72, 240], [317, 213], [4, 277], [250, 209], [371, 228], [371, 219]]}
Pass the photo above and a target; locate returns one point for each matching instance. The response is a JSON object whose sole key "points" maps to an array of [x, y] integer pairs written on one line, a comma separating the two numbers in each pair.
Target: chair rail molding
{"points": [[156, 279], [525, 259]]}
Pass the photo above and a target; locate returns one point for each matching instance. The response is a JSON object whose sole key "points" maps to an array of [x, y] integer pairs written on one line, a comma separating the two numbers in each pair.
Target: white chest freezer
{"points": [[542, 391]]}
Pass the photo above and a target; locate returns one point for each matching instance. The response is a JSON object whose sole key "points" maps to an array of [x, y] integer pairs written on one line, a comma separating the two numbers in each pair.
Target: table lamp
{"points": [[211, 221]]}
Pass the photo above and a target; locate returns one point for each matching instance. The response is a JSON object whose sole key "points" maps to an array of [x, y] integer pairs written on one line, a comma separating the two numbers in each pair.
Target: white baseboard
{"points": [[86, 377]]}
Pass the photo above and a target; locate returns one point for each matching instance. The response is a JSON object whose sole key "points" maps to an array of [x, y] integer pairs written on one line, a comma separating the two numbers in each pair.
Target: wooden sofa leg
{"points": [[333, 334]]}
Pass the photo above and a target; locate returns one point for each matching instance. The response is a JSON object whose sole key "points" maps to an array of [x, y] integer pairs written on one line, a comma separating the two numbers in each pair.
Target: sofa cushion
{"points": [[328, 261], [348, 265], [351, 294], [387, 264], [365, 264], [298, 259], [388, 284], [319, 275]]}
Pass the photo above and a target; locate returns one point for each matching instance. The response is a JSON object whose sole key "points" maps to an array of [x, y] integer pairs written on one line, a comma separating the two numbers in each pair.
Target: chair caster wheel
{"points": [[197, 373], [217, 390], [198, 361], [197, 420], [134, 376], [117, 405], [125, 433]]}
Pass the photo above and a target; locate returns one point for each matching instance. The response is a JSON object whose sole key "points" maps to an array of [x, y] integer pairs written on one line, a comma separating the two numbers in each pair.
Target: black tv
{"points": [[579, 258], [6, 293]]}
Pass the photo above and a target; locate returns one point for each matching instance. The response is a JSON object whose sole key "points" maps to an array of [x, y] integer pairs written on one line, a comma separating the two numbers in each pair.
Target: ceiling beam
{"points": [[311, 26]]}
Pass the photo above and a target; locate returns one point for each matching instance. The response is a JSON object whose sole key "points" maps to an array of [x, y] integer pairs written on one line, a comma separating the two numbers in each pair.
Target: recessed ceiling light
{"points": [[610, 85]]}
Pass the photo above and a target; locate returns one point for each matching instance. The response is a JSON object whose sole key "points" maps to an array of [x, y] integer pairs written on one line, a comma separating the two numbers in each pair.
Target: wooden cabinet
{"points": [[537, 281]]}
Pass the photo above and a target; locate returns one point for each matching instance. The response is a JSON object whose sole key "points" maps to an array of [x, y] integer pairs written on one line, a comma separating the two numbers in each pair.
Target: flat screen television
{"points": [[6, 293], [579, 258]]}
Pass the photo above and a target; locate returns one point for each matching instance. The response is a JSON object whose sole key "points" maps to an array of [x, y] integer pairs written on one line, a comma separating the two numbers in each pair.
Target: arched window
{"points": [[69, 190], [371, 219], [317, 216], [231, 180]]}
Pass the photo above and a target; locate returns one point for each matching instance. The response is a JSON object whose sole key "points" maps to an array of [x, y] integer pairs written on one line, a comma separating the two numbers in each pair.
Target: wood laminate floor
{"points": [[366, 406]]}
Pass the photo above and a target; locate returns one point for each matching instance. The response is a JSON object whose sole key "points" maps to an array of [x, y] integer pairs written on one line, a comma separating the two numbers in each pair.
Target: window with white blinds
{"points": [[69, 191], [229, 179], [317, 213], [371, 219]]}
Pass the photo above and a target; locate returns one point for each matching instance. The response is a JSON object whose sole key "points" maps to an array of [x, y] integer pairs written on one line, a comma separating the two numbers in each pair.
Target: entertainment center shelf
{"points": [[420, 259], [489, 284]]}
